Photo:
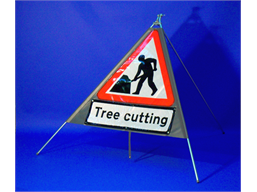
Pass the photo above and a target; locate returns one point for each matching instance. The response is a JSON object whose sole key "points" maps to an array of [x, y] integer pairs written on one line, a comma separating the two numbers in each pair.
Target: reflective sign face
{"points": [[130, 117], [143, 78]]}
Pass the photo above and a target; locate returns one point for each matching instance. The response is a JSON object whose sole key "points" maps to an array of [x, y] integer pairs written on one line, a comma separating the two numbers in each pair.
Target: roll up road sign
{"points": [[138, 95]]}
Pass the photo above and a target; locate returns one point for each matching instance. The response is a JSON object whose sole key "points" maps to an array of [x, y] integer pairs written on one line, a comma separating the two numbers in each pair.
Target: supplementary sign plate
{"points": [[124, 116]]}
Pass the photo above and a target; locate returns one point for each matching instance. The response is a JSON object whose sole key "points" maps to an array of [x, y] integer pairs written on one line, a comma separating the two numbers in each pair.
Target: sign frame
{"points": [[178, 126]]}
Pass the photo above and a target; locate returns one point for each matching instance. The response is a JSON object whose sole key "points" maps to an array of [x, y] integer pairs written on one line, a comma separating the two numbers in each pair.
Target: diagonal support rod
{"points": [[194, 84], [51, 138], [193, 161]]}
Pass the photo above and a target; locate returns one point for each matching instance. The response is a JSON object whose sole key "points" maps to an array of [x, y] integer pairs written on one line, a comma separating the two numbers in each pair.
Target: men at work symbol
{"points": [[145, 66]]}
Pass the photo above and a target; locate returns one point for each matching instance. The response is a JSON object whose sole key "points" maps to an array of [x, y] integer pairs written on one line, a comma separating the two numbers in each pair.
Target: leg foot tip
{"points": [[197, 181]]}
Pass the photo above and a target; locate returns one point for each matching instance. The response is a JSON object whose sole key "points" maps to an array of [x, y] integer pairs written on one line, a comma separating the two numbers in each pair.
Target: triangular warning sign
{"points": [[139, 94], [143, 78]]}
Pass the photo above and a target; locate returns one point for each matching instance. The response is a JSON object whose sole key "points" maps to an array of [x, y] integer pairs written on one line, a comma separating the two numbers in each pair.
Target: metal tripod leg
{"points": [[51, 138], [193, 161], [129, 144]]}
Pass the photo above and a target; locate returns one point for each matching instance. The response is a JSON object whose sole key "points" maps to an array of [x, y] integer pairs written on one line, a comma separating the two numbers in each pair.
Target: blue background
{"points": [[65, 49]]}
